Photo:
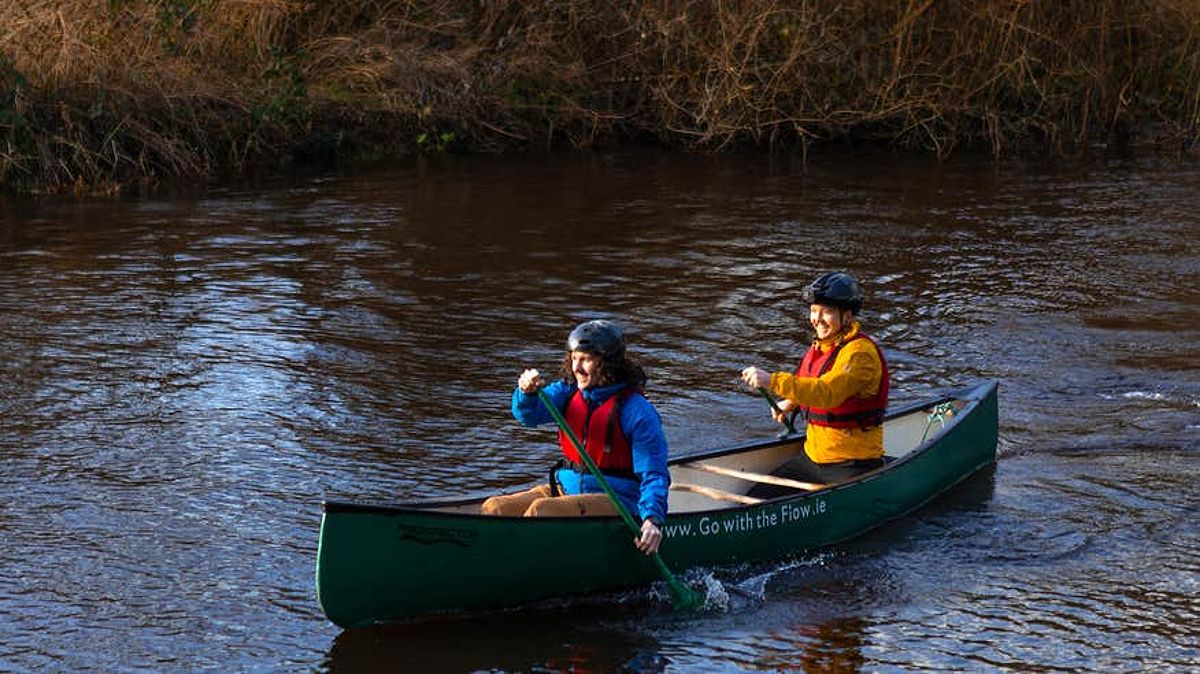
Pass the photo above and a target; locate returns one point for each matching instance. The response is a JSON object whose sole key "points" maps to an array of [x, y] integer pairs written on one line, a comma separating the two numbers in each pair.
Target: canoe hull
{"points": [[381, 563]]}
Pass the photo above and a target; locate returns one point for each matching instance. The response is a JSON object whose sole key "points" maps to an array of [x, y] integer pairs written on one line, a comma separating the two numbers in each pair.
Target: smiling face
{"points": [[827, 321], [586, 368]]}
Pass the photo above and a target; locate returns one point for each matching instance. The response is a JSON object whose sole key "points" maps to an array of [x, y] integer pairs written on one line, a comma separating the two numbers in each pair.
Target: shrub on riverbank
{"points": [[96, 94]]}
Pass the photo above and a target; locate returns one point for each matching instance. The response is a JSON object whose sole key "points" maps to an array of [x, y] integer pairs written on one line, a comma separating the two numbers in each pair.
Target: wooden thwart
{"points": [[756, 477], [717, 494]]}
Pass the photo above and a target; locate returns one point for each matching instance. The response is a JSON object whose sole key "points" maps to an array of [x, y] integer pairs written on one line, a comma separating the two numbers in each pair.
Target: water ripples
{"points": [[183, 383]]}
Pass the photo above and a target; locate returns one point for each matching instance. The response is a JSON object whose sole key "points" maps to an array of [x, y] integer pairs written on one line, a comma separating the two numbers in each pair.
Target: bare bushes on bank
{"points": [[94, 95]]}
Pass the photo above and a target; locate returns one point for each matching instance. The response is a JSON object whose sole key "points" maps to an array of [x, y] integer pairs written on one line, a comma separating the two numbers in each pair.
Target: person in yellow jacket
{"points": [[840, 387]]}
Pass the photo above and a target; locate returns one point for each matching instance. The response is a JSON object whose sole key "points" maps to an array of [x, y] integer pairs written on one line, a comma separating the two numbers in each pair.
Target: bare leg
{"points": [[571, 506], [514, 505]]}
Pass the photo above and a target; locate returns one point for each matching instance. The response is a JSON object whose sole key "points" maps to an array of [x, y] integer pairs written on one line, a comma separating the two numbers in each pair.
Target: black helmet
{"points": [[835, 289], [602, 337]]}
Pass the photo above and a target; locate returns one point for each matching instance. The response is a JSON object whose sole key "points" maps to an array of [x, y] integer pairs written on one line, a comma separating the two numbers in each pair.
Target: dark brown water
{"points": [[184, 379]]}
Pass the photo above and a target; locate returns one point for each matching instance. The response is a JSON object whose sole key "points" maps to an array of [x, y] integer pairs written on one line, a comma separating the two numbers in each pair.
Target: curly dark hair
{"points": [[613, 369]]}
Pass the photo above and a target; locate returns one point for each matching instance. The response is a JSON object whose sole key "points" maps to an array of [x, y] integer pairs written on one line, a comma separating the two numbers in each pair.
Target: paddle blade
{"points": [[684, 598]]}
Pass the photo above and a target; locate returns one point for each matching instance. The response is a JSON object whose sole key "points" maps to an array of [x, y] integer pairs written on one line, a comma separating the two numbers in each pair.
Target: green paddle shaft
{"points": [[786, 421], [683, 596]]}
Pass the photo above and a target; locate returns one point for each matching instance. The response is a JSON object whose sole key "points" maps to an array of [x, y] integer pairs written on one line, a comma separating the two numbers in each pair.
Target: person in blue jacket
{"points": [[601, 396]]}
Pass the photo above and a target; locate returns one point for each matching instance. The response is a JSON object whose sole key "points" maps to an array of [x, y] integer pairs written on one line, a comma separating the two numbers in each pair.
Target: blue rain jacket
{"points": [[646, 496]]}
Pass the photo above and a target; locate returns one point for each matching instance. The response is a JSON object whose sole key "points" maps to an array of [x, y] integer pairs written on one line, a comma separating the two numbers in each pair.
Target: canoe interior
{"points": [[904, 430], [901, 435]]}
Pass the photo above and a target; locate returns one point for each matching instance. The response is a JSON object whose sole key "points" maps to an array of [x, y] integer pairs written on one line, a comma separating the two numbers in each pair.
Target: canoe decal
{"points": [[434, 535], [741, 522]]}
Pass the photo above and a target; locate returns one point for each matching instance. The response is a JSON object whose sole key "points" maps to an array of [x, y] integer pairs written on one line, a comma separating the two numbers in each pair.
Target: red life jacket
{"points": [[855, 411], [599, 429]]}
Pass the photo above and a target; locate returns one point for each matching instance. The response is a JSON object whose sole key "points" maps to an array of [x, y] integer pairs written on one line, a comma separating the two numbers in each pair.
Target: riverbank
{"points": [[96, 97]]}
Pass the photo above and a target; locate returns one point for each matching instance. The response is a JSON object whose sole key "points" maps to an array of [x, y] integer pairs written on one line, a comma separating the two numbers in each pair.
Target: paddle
{"points": [[786, 421], [682, 596]]}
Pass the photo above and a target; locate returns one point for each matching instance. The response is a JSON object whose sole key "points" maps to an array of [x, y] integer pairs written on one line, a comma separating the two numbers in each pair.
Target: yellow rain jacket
{"points": [[856, 370]]}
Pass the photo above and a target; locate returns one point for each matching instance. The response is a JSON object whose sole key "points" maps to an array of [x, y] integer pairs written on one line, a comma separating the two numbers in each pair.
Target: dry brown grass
{"points": [[96, 94]]}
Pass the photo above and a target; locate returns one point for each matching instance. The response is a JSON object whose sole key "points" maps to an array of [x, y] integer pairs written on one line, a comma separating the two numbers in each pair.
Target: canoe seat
{"points": [[760, 478], [794, 472], [715, 494]]}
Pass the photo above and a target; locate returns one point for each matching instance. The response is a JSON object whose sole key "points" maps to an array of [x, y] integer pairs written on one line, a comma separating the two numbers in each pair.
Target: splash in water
{"points": [[723, 596]]}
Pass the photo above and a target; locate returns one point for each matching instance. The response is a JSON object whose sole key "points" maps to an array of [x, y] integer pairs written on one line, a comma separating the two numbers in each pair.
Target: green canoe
{"points": [[391, 562]]}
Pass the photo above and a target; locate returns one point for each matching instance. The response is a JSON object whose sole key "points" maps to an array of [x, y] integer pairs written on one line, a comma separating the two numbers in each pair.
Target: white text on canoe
{"points": [[786, 513]]}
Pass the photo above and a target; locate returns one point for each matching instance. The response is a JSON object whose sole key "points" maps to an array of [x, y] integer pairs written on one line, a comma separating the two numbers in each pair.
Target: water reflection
{"points": [[570, 641], [832, 646], [593, 641]]}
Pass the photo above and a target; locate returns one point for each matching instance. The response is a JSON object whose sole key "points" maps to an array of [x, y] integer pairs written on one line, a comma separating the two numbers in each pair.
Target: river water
{"points": [[186, 376]]}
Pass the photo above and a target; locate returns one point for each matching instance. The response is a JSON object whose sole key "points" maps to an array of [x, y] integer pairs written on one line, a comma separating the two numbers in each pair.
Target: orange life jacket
{"points": [[599, 429], [855, 411]]}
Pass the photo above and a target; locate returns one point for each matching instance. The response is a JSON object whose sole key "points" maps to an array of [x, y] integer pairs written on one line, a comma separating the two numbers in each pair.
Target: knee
{"points": [[549, 506], [491, 506], [556, 506], [538, 508]]}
